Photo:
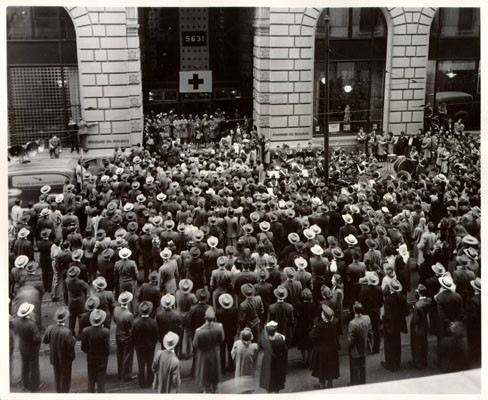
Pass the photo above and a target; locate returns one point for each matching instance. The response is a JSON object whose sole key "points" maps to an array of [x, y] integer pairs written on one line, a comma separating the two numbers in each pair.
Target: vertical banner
{"points": [[194, 53]]}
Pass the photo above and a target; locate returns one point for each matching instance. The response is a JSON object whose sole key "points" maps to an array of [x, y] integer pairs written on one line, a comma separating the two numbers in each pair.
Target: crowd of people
{"points": [[217, 249]]}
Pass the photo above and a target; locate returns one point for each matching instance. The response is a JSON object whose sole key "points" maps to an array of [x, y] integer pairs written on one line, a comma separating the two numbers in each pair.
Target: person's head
{"points": [[421, 291], [337, 280], [431, 227], [357, 308]]}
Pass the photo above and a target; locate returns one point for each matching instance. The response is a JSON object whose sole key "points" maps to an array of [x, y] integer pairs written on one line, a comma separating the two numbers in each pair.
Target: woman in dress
{"points": [[325, 354]]}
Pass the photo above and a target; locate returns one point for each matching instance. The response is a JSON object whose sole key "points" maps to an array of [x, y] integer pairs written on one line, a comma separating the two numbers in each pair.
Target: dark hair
{"points": [[357, 307]]}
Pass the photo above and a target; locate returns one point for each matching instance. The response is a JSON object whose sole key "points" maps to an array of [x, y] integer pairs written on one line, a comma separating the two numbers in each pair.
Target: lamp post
{"points": [[326, 111]]}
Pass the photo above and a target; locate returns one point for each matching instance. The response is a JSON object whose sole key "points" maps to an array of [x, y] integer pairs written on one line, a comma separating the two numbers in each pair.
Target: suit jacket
{"points": [[62, 344], [360, 336], [196, 316], [124, 319], [294, 290], [396, 309], [228, 319], [169, 320], [419, 324], [449, 309], [282, 313], [145, 333], [152, 293], [95, 342], [371, 297], [251, 311], [29, 337]]}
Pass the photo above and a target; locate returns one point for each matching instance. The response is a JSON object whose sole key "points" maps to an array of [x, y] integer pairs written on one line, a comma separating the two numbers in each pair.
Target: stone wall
{"points": [[110, 74], [284, 63]]}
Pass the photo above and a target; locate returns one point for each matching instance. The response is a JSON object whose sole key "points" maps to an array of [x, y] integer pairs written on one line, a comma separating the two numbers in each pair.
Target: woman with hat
{"points": [[245, 354], [29, 344], [166, 366], [275, 359], [61, 350], [95, 342], [325, 354]]}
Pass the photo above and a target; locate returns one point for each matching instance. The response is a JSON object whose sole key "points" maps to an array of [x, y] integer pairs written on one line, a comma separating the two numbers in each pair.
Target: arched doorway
{"points": [[42, 66], [357, 54], [453, 68]]}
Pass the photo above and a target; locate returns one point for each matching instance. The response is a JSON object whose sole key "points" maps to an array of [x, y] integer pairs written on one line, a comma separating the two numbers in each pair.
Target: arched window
{"points": [[453, 69], [43, 84], [357, 53]]}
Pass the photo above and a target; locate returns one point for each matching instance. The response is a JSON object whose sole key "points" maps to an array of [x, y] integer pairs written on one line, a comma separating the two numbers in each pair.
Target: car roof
{"points": [[45, 165]]}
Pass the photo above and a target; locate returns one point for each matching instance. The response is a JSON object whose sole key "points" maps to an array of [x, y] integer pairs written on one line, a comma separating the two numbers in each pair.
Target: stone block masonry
{"points": [[108, 56], [284, 54]]}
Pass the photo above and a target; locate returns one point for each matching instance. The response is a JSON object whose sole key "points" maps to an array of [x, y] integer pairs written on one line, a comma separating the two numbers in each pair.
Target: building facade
{"points": [[110, 65]]}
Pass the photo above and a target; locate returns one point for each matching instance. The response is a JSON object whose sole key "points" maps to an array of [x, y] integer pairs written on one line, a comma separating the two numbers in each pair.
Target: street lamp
{"points": [[326, 113]]}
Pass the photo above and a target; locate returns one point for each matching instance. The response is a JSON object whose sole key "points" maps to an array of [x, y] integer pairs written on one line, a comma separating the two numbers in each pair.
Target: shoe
{"points": [[385, 366]]}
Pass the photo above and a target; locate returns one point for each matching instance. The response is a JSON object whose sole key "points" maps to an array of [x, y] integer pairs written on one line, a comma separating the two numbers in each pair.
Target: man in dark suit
{"points": [[210, 257], [282, 313], [433, 286], [371, 297], [243, 277], [360, 337], [196, 316], [151, 292], [145, 336], [450, 328], [251, 310], [419, 327], [396, 310], [77, 289], [62, 350], [226, 314], [29, 343], [473, 323], [123, 318], [168, 319], [95, 342]]}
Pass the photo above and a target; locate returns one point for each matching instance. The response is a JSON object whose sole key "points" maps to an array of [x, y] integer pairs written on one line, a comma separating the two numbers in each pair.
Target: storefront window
{"points": [[42, 73], [356, 70], [454, 64]]}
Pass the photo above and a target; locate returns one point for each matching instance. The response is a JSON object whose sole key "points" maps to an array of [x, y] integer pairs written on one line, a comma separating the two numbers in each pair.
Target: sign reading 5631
{"points": [[194, 38]]}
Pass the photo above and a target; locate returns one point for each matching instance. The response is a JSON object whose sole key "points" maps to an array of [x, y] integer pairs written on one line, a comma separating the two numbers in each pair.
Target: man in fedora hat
{"points": [[264, 289], [371, 298], [373, 256], [77, 289], [419, 328], [251, 310], [168, 319], [166, 366], [196, 269], [196, 315], [29, 344], [76, 257], [242, 277], [282, 313], [145, 336], [61, 350], [220, 280], [124, 318], [91, 303], [23, 246], [95, 342], [226, 314], [347, 229], [210, 257], [396, 310], [433, 286], [359, 341], [45, 262], [245, 354], [207, 340], [293, 287], [450, 315], [462, 277], [473, 323], [106, 297], [125, 272], [150, 292]]}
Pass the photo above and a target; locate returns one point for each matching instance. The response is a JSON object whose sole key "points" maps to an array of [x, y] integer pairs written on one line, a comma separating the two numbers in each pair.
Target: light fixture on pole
{"points": [[326, 113], [348, 88], [450, 74]]}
